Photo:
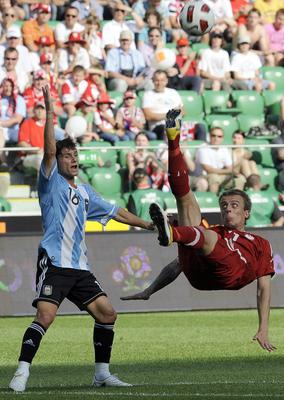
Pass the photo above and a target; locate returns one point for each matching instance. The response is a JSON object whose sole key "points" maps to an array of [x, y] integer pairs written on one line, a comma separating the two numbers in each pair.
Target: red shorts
{"points": [[222, 269]]}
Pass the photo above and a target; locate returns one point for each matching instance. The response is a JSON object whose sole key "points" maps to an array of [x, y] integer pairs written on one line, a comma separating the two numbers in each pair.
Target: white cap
{"points": [[14, 32]]}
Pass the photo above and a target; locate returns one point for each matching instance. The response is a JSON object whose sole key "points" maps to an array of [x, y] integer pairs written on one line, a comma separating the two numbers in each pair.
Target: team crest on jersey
{"points": [[47, 290], [249, 237]]}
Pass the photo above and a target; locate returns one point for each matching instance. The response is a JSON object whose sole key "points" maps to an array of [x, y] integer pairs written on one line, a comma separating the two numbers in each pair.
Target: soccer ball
{"points": [[76, 127], [163, 59], [196, 18]]}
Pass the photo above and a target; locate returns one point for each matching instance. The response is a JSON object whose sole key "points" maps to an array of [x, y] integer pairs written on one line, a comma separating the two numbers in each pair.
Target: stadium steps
{"points": [[4, 183], [24, 205], [18, 191]]}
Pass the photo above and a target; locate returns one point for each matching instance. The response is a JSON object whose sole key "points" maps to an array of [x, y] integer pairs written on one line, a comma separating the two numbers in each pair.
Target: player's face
{"points": [[233, 213], [68, 163]]}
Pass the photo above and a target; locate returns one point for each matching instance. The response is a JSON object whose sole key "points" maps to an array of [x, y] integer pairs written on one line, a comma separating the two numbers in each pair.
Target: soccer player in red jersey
{"points": [[223, 257]]}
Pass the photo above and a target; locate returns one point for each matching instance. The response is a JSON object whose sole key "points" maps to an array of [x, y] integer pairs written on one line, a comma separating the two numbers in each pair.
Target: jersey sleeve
{"points": [[47, 183], [99, 209], [265, 262]]}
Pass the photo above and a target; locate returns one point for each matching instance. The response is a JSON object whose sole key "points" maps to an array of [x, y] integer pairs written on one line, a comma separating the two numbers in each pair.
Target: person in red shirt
{"points": [[211, 258]]}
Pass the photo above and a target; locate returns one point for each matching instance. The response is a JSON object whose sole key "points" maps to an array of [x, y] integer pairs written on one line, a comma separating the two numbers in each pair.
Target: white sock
{"points": [[24, 367], [102, 370]]}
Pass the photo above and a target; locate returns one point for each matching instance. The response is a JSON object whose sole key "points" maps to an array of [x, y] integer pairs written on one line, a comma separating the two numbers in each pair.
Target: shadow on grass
{"points": [[235, 375]]}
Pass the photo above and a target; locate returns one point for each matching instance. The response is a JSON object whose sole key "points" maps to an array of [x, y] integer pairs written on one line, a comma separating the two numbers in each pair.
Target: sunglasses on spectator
{"points": [[218, 136], [9, 15], [119, 9], [71, 15], [154, 35], [11, 58]]}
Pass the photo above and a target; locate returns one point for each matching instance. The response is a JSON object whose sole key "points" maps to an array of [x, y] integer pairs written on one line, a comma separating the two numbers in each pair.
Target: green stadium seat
{"points": [[207, 200], [198, 47], [268, 176], [228, 123], [215, 100], [262, 208], [272, 100], [4, 205], [116, 200], [193, 106], [248, 101], [125, 147], [249, 121], [261, 154], [102, 151], [117, 97], [170, 201], [106, 182], [274, 74], [143, 198], [171, 46]]}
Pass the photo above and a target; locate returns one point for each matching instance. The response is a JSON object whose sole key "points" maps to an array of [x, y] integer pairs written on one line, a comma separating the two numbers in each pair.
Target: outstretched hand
{"points": [[47, 99], [137, 296], [172, 118], [263, 341]]}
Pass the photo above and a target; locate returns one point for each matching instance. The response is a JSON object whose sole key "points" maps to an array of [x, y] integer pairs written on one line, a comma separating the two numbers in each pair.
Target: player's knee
{"points": [[108, 316], [45, 318]]}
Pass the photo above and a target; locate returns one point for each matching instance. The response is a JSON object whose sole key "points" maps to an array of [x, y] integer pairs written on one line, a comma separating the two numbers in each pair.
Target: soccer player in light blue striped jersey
{"points": [[63, 270]]}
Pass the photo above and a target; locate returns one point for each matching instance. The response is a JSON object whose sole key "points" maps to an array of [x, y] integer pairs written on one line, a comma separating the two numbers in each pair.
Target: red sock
{"points": [[189, 235], [178, 171]]}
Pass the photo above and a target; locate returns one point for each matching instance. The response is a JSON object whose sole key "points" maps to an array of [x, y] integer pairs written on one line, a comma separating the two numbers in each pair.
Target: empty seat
{"points": [[249, 102], [102, 152], [192, 103], [106, 182], [207, 200], [249, 121], [274, 74], [215, 100]]}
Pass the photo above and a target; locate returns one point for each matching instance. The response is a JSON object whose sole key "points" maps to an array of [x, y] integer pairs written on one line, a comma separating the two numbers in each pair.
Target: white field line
{"points": [[139, 395]]}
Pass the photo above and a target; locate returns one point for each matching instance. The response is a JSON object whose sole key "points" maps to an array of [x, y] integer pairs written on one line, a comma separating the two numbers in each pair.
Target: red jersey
{"points": [[32, 132], [238, 259]]}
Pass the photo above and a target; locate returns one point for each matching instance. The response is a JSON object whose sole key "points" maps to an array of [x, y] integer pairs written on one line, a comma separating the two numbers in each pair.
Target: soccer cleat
{"points": [[160, 219], [111, 380], [173, 124], [19, 381]]}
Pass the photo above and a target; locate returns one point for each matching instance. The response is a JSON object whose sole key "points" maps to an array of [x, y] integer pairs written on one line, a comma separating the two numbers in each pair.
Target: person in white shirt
{"points": [[157, 102], [14, 39], [73, 55], [70, 24], [11, 70], [246, 68], [214, 65], [218, 164], [223, 13]]}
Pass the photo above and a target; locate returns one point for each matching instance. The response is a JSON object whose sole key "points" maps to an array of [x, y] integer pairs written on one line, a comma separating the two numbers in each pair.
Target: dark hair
{"points": [[254, 10], [279, 12], [239, 133], [252, 180], [237, 192], [67, 143], [139, 174], [78, 68], [71, 8], [10, 50], [155, 28], [152, 11]]}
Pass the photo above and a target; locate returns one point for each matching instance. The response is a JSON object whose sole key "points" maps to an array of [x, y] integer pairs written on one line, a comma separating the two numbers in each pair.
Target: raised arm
{"points": [[168, 274], [127, 217], [49, 138], [263, 307]]}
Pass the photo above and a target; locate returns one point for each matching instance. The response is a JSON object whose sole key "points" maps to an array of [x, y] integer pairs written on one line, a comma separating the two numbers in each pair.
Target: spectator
{"points": [[125, 66], [105, 122], [86, 6], [153, 20], [265, 211], [242, 157], [175, 8], [33, 95], [47, 64], [8, 21], [268, 9], [141, 198], [13, 110], [214, 65], [46, 46], [130, 118], [96, 80], [137, 158], [74, 54], [14, 40], [92, 35], [112, 29], [180, 82], [255, 30], [186, 59], [148, 49], [278, 159], [275, 34], [157, 102], [7, 5], [240, 10], [223, 13], [12, 70], [31, 135], [70, 24], [85, 108], [161, 6], [246, 68], [73, 89], [217, 163], [35, 28], [198, 181]]}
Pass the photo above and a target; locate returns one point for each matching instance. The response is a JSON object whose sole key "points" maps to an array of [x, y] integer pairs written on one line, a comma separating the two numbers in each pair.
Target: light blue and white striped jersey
{"points": [[65, 211]]}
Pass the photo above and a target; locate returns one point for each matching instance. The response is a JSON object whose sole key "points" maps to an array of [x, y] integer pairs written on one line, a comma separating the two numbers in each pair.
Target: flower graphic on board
{"points": [[134, 269]]}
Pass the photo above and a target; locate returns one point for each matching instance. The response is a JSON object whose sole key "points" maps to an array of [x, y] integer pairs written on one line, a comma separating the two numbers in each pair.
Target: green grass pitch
{"points": [[179, 355]]}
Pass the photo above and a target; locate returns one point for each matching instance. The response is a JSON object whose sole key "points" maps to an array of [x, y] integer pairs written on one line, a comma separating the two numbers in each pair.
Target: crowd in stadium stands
{"points": [[98, 58]]}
